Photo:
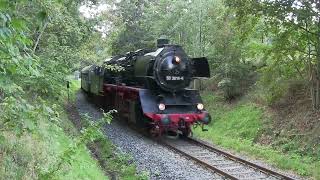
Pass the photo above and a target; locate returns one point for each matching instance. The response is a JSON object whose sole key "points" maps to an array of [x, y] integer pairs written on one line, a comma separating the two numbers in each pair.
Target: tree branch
{"points": [[306, 30], [39, 37], [307, 53]]}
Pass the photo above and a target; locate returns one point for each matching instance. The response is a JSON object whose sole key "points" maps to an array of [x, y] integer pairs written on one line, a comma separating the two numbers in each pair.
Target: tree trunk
{"points": [[315, 74], [39, 36], [312, 96], [317, 96]]}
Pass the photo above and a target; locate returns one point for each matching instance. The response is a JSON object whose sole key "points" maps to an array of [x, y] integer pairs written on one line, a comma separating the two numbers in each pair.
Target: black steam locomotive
{"points": [[150, 88]]}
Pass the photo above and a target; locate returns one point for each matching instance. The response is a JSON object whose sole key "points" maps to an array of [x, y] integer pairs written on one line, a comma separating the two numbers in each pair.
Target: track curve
{"points": [[221, 162]]}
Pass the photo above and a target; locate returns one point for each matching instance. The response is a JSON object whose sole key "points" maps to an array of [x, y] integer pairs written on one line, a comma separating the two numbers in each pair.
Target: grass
{"points": [[238, 126], [118, 165], [82, 165], [34, 153], [74, 87]]}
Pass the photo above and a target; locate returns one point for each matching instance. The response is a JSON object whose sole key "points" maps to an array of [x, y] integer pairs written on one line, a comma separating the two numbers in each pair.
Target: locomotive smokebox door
{"points": [[200, 67]]}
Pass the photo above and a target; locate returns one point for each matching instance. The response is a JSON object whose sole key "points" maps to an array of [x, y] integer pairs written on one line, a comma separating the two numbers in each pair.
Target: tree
{"points": [[128, 34], [294, 30], [205, 28]]}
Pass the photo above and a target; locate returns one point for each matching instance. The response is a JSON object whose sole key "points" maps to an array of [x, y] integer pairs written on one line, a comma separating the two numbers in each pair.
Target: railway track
{"points": [[223, 163]]}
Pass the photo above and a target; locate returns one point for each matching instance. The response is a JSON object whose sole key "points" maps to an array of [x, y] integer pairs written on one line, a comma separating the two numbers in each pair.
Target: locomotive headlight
{"points": [[162, 107], [177, 59], [200, 106]]}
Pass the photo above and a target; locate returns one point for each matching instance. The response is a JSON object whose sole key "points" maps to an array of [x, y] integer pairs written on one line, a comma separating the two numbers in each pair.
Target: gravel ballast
{"points": [[158, 161]]}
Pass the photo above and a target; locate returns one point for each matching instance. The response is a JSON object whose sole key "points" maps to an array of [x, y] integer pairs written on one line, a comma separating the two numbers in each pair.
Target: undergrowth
{"points": [[35, 137], [117, 165], [238, 126], [32, 150]]}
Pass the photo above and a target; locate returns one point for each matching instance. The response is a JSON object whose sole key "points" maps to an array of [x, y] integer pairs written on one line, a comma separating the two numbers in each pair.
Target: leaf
{"points": [[5, 32], [42, 15], [49, 110], [3, 5], [8, 17], [12, 69], [29, 125], [18, 24], [3, 17], [2, 139]]}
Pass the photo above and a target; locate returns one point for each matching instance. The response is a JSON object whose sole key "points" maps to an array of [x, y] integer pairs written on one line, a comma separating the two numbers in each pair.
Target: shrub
{"points": [[234, 79]]}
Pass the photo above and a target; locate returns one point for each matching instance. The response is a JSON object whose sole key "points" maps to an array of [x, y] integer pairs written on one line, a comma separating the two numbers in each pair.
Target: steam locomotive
{"points": [[150, 88]]}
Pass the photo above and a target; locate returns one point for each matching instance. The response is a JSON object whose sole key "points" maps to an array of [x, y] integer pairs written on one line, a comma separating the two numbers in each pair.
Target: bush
{"points": [[274, 85], [234, 79]]}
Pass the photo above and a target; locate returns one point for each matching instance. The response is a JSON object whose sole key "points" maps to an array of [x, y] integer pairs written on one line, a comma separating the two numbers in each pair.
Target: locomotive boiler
{"points": [[151, 88]]}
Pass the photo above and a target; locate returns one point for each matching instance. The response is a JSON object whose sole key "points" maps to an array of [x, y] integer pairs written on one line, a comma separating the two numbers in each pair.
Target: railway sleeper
{"points": [[219, 164], [197, 151], [245, 177], [258, 177], [242, 172], [230, 168], [210, 158]]}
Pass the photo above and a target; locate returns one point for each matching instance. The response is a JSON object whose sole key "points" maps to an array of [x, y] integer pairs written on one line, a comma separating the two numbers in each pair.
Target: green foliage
{"points": [[317, 171], [40, 43], [32, 153], [88, 134], [114, 67], [43, 41], [128, 34], [116, 164], [246, 118], [234, 79], [291, 32], [271, 87], [209, 33], [275, 43], [74, 87], [230, 69]]}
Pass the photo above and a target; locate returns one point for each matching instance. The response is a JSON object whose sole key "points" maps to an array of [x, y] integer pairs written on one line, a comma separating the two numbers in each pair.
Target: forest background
{"points": [[264, 58], [262, 54]]}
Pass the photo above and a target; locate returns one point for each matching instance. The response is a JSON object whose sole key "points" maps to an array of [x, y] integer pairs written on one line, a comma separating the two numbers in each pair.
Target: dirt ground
{"points": [[294, 121]]}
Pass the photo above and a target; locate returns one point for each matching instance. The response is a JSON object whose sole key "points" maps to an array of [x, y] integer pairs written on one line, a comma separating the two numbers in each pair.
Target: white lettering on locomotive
{"points": [[174, 78]]}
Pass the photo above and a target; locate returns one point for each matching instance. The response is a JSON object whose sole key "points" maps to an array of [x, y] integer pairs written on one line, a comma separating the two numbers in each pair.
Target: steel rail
{"points": [[217, 151], [218, 171], [238, 159]]}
